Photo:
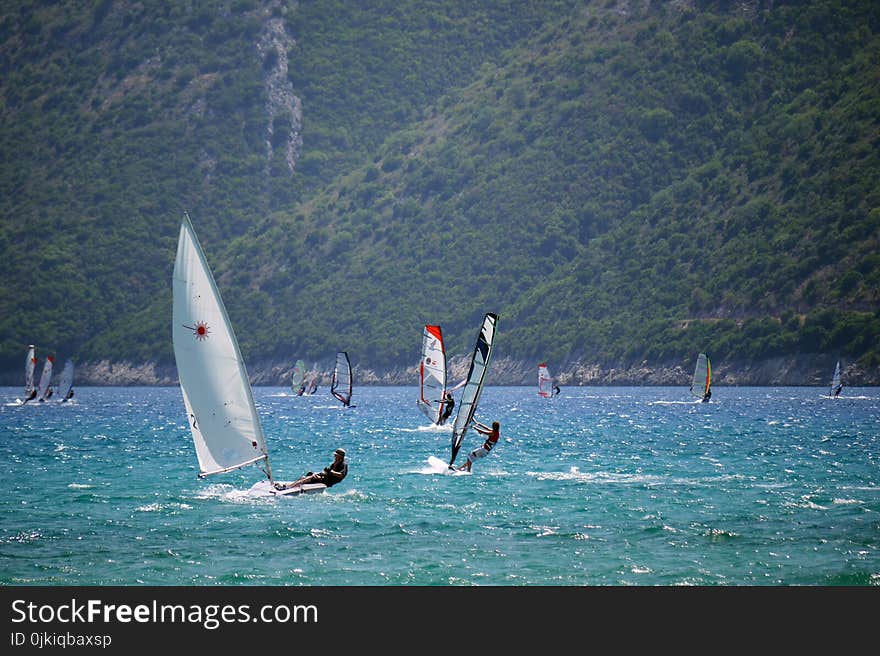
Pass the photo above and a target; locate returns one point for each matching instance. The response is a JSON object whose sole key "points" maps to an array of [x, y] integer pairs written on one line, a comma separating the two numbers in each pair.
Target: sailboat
{"points": [[297, 378], [341, 386], [65, 383], [470, 397], [836, 385], [545, 381], [432, 375], [30, 363], [219, 401], [702, 380], [44, 389]]}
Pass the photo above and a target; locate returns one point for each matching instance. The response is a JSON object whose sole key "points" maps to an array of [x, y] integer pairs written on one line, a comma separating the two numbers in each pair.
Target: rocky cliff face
{"points": [[812, 370], [283, 107]]}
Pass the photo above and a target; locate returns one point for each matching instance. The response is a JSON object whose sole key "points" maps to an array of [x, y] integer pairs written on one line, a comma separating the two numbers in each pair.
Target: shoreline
{"points": [[811, 370]]}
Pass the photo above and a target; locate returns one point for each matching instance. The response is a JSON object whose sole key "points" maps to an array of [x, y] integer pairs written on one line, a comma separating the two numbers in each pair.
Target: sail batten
{"points": [[470, 396], [219, 401], [432, 374]]}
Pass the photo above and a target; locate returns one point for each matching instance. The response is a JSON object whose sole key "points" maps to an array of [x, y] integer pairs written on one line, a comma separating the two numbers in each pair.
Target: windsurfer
{"points": [[332, 474], [492, 435], [447, 412], [707, 396]]}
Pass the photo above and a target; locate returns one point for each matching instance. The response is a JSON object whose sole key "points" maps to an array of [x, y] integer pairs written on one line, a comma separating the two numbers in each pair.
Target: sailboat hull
{"points": [[265, 487], [308, 488]]}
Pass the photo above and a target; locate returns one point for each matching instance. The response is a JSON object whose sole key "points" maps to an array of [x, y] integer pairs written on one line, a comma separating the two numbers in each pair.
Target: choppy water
{"points": [[600, 486]]}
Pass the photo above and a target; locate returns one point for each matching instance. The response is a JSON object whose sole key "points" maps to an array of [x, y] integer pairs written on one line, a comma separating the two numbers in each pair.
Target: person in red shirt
{"points": [[492, 435]]}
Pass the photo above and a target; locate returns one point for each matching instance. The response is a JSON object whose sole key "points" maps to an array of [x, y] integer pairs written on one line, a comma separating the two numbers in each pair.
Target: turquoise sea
{"points": [[618, 486]]}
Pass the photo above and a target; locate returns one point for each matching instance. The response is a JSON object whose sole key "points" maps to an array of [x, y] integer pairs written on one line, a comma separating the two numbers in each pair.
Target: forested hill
{"points": [[625, 183]]}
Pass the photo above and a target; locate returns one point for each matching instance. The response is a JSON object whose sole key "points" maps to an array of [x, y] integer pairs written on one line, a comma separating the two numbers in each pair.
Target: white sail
{"points": [[341, 386], [216, 392], [836, 385], [297, 378], [65, 383], [702, 379], [432, 374], [30, 364], [545, 381], [44, 389], [470, 397]]}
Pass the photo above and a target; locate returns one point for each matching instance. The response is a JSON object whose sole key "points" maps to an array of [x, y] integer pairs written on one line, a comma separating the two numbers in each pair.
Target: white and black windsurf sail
{"points": [[341, 386], [470, 396]]}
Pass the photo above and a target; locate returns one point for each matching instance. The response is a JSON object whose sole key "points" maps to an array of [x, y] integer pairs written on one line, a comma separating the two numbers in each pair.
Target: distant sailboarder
{"points": [[65, 384], [701, 385], [341, 386], [311, 383], [836, 384], [44, 390], [434, 401], [30, 363], [546, 385], [297, 378]]}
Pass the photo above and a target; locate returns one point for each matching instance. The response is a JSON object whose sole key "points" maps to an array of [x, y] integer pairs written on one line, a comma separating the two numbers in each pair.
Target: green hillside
{"points": [[621, 181]]}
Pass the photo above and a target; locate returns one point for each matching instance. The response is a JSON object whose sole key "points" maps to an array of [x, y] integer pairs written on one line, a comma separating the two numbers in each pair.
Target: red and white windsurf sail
{"points": [[545, 381], [432, 374]]}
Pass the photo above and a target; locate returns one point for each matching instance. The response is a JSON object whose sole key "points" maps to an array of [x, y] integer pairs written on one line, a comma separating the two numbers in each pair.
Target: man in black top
{"points": [[450, 404], [332, 474]]}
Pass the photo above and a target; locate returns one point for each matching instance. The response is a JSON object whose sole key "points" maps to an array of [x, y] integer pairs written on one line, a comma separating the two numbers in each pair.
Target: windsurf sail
{"points": [[30, 363], [44, 389], [311, 383], [65, 383], [219, 401], [341, 385], [297, 378], [702, 380], [836, 385], [432, 374], [545, 381], [470, 396]]}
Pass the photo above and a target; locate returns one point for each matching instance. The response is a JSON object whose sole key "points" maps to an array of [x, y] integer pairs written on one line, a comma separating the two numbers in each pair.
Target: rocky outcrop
{"points": [[283, 107]]}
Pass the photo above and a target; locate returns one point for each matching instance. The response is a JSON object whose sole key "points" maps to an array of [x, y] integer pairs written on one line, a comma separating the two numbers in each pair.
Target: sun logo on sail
{"points": [[200, 330]]}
